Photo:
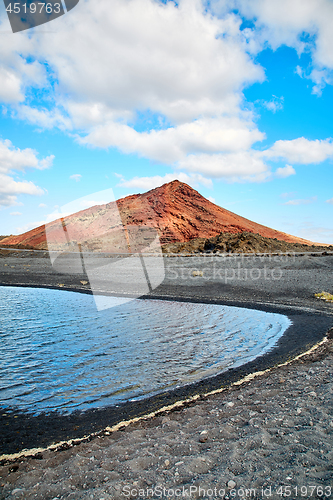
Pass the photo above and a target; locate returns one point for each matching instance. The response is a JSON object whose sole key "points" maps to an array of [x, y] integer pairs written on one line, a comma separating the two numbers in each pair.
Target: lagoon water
{"points": [[58, 353]]}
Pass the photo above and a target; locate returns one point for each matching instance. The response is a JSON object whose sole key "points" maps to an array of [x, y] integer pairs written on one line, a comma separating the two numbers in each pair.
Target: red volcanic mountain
{"points": [[178, 212]]}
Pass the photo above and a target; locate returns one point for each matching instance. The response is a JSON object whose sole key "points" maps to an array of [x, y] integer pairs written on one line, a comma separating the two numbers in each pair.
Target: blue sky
{"points": [[234, 97]]}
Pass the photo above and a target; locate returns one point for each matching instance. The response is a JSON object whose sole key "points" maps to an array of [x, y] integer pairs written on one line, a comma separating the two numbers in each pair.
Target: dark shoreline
{"points": [[22, 430]]}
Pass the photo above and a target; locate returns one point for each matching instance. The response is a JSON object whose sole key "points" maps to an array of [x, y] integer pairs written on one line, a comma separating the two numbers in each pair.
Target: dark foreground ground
{"points": [[286, 279], [271, 437], [268, 419]]}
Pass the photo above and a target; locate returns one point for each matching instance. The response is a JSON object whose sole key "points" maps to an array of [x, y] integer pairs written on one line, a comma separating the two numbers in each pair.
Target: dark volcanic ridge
{"points": [[177, 211], [244, 242]]}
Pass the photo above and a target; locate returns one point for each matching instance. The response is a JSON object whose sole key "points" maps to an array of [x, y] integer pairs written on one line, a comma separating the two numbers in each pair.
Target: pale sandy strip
{"points": [[178, 404]]}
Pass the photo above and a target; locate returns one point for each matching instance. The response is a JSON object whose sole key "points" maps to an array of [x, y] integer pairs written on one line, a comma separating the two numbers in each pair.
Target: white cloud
{"points": [[282, 21], [286, 171], [173, 144], [42, 205], [9, 189], [112, 64], [301, 150], [285, 22], [246, 165], [10, 85], [177, 64], [330, 201], [306, 201], [321, 78], [147, 183], [176, 61], [43, 117], [274, 105], [249, 164], [299, 71], [15, 213], [210, 198], [14, 159], [76, 177], [239, 162], [17, 71]]}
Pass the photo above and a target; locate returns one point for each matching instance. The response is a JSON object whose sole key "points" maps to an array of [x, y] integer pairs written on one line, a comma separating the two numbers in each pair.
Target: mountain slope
{"points": [[177, 211]]}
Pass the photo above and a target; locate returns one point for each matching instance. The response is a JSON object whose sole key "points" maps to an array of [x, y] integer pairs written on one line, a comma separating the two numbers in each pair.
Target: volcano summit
{"points": [[177, 211]]}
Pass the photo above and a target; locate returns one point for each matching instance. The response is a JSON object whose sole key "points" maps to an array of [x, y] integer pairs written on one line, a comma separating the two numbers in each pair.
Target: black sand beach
{"points": [[284, 284]]}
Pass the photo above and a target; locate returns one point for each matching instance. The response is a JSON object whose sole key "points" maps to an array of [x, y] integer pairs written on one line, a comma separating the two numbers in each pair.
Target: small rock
{"points": [[167, 462], [230, 404], [231, 484], [298, 411], [203, 436], [203, 439], [313, 393], [18, 491]]}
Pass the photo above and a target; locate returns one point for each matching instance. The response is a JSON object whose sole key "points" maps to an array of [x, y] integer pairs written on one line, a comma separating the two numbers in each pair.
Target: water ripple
{"points": [[58, 352]]}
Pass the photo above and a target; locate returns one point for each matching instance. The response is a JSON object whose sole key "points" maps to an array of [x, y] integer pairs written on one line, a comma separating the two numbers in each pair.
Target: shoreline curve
{"points": [[310, 329]]}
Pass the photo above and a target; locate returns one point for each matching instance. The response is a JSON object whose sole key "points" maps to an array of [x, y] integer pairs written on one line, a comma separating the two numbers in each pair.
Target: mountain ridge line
{"points": [[177, 211]]}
